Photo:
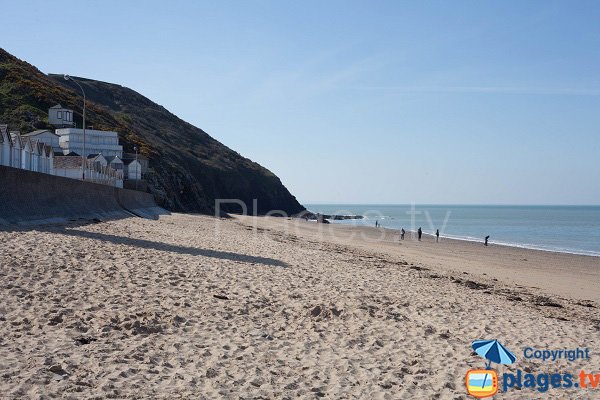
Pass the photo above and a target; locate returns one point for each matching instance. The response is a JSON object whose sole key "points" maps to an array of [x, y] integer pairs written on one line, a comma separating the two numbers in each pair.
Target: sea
{"points": [[566, 229]]}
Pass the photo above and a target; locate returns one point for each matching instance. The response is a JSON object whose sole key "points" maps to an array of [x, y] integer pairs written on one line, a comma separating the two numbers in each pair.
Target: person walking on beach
{"points": [[437, 235], [420, 233], [402, 232], [376, 224], [486, 240]]}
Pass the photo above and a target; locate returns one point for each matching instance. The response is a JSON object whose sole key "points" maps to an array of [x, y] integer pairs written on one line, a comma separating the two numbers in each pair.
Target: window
{"points": [[68, 116], [59, 115]]}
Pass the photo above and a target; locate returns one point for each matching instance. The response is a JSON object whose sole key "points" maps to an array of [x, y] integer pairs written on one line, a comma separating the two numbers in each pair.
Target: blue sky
{"points": [[357, 102]]}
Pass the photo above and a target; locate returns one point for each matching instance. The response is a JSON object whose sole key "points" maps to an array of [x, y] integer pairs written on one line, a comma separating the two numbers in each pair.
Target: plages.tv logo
{"points": [[482, 383]]}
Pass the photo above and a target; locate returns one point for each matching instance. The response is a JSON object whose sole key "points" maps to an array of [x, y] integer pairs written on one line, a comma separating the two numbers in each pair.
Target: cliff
{"points": [[188, 169]]}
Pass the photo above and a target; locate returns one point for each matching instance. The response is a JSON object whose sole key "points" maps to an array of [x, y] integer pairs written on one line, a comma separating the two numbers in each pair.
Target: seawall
{"points": [[34, 198]]}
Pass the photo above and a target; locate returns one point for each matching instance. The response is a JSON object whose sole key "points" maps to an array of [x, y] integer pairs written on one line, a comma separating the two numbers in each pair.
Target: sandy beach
{"points": [[271, 308]]}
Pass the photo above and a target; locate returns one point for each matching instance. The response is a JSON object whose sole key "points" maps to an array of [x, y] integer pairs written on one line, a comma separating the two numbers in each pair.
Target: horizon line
{"points": [[451, 204]]}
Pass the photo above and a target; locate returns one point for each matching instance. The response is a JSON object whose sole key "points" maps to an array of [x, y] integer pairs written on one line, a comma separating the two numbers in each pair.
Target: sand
{"points": [[203, 308]]}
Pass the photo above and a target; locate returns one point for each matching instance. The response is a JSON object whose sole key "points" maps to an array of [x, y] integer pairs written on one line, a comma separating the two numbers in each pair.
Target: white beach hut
{"points": [[26, 154], [44, 158], [36, 155], [134, 170], [17, 145], [5, 146], [50, 151], [98, 160]]}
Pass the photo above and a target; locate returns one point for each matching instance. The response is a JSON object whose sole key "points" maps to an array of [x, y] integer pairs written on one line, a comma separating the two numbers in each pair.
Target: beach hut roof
{"points": [[27, 143], [38, 132], [33, 145], [114, 159], [39, 147], [16, 139], [66, 162], [3, 132], [94, 156]]}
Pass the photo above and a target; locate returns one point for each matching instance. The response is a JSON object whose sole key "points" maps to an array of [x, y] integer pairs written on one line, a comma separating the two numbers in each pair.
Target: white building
{"points": [[5, 146], [34, 152], [134, 170], [129, 157], [46, 162], [16, 149], [24, 153], [96, 142], [60, 116], [98, 160], [70, 167], [115, 163], [45, 136]]}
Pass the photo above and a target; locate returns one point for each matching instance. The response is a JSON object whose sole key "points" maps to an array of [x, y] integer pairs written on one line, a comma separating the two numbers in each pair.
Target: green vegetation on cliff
{"points": [[188, 168]]}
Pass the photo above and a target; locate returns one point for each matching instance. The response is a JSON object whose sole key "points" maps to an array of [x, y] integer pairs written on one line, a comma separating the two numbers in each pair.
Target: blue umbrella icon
{"points": [[493, 351]]}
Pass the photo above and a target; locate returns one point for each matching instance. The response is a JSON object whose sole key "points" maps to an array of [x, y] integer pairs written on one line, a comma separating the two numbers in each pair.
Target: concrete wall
{"points": [[34, 198], [142, 206]]}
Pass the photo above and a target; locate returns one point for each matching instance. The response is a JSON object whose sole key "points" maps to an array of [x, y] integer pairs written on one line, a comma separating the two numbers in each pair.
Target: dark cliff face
{"points": [[188, 168]]}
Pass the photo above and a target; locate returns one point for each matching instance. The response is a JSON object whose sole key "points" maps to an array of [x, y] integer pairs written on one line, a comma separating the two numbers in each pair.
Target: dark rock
{"points": [[386, 385], [57, 369], [445, 335], [547, 302], [316, 311], [475, 285], [319, 217], [84, 340], [211, 373]]}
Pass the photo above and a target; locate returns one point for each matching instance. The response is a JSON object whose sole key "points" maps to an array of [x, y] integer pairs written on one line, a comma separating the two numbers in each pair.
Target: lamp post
{"points": [[136, 166], [83, 156]]}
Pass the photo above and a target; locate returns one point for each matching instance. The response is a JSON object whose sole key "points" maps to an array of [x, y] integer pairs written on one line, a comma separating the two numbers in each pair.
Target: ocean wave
{"points": [[474, 239], [528, 246]]}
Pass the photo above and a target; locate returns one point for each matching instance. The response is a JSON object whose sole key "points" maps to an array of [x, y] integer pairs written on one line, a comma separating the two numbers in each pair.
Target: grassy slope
{"points": [[189, 169]]}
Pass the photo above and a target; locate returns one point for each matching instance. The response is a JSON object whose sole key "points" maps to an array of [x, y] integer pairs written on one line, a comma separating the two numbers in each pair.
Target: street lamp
{"points": [[83, 156], [136, 166]]}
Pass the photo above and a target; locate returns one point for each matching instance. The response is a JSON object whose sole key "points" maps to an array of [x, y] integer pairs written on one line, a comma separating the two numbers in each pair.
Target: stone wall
{"points": [[34, 198]]}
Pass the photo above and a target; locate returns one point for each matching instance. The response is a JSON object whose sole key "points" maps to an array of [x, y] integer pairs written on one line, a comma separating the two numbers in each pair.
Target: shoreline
{"points": [[589, 253], [473, 240], [555, 273], [512, 245]]}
